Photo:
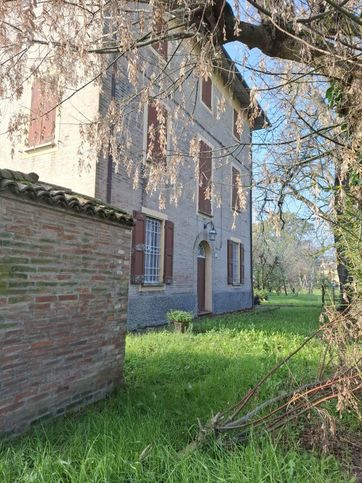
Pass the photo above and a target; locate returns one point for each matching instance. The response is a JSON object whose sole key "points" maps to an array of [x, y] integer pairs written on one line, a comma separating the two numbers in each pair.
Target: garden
{"points": [[175, 382]]}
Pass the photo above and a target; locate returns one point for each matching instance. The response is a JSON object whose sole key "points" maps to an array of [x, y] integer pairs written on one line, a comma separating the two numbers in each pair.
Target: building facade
{"points": [[194, 254]]}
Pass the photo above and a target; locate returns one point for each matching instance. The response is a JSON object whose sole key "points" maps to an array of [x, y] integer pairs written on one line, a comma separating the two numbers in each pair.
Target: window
{"points": [[161, 47], [42, 117], [235, 189], [235, 262], [206, 92], [156, 134], [205, 178], [152, 250], [237, 127]]}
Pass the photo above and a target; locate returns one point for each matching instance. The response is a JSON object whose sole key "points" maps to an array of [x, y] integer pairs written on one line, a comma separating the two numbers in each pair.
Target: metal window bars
{"points": [[152, 250]]}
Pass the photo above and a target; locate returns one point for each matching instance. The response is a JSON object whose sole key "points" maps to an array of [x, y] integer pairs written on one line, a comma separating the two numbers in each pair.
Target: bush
{"points": [[179, 316], [260, 296]]}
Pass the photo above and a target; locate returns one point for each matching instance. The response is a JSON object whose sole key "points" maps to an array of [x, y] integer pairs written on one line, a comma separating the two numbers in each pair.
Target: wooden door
{"points": [[201, 285]]}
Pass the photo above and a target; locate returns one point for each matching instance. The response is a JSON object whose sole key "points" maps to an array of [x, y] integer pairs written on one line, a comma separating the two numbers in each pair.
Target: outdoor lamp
{"points": [[212, 231]]}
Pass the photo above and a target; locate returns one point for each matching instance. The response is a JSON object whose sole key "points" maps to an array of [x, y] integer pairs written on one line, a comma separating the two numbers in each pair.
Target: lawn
{"points": [[172, 382], [302, 299]]}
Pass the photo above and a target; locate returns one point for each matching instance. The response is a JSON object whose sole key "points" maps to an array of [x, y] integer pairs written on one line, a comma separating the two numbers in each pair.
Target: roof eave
{"points": [[233, 79]]}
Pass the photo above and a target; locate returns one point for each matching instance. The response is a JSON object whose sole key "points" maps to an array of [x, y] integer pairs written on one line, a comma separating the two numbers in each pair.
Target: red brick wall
{"points": [[63, 307]]}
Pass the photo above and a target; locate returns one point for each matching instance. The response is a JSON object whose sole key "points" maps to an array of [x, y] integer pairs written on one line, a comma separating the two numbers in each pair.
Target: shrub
{"points": [[179, 316], [260, 296]]}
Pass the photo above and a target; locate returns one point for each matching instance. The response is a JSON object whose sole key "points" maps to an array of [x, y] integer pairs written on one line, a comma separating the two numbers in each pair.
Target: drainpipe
{"points": [[110, 158], [251, 220]]}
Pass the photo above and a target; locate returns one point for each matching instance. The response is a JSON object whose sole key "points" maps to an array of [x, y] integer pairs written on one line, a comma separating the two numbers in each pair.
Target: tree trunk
{"points": [[344, 277]]}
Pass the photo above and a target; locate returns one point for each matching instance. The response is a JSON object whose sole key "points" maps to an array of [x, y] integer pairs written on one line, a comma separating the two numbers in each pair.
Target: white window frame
{"points": [[152, 258], [236, 282], [236, 263], [161, 217], [45, 148]]}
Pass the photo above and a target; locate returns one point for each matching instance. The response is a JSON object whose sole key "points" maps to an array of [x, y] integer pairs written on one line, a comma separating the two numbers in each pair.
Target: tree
{"points": [[322, 37], [287, 259], [314, 157]]}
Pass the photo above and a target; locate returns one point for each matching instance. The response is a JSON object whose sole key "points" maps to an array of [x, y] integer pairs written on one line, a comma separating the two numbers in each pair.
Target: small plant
{"points": [[179, 316], [260, 296], [180, 319]]}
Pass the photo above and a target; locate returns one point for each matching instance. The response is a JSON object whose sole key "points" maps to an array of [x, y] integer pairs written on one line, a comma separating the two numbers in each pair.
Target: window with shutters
{"points": [[235, 189], [161, 47], [152, 249], [235, 262], [206, 92], [205, 179], [237, 125], [156, 149], [42, 117]]}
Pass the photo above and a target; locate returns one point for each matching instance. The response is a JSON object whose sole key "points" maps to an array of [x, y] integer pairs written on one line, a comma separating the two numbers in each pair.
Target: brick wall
{"points": [[63, 305]]}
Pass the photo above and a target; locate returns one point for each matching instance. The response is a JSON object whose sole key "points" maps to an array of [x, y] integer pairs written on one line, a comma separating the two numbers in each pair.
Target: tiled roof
{"points": [[28, 186]]}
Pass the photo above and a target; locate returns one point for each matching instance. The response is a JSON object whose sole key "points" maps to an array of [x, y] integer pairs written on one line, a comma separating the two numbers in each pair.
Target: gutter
{"points": [[110, 158], [251, 220]]}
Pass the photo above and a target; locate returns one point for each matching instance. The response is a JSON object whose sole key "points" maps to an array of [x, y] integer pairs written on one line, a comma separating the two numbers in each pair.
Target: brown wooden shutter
{"points": [[138, 246], [161, 47], [157, 156], [235, 125], [230, 261], [168, 260], [205, 174], [206, 92], [35, 117], [241, 263], [235, 198], [42, 116], [48, 119]]}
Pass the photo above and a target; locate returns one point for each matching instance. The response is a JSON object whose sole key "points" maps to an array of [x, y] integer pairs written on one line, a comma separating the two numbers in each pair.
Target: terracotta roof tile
{"points": [[28, 186]]}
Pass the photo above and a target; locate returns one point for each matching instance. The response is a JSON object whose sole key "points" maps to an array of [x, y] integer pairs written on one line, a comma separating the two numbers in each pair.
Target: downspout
{"points": [[110, 157], [251, 220]]}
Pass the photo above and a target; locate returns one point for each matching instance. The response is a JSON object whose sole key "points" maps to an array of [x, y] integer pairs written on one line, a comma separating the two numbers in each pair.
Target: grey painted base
{"points": [[149, 310], [231, 301]]}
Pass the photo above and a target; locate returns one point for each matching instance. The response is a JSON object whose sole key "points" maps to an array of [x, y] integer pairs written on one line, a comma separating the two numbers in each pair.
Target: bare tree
{"points": [[310, 71], [314, 40]]}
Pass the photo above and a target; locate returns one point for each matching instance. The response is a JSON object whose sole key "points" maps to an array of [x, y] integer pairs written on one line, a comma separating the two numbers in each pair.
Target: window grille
{"points": [[236, 263], [152, 250]]}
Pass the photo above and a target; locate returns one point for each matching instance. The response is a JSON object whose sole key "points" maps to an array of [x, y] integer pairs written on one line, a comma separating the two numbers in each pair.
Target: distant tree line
{"points": [[289, 260]]}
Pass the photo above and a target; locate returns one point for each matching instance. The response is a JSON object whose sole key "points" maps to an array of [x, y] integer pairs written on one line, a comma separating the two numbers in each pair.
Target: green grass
{"points": [[302, 299], [172, 381]]}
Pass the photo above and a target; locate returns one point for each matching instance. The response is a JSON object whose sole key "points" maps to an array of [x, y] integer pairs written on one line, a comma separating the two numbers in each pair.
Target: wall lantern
{"points": [[212, 231]]}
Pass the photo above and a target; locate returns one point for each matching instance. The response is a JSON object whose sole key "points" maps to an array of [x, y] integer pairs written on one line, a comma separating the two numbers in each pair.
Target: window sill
{"points": [[152, 287], [40, 149], [202, 213], [210, 109], [160, 56]]}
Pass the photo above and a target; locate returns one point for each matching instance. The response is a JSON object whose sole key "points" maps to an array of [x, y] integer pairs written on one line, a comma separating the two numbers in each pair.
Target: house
{"points": [[196, 255]]}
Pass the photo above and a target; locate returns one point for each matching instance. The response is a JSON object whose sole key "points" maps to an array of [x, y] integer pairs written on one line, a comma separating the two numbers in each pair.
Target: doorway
{"points": [[204, 305]]}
